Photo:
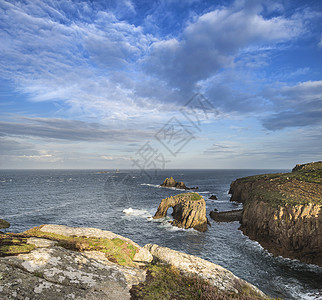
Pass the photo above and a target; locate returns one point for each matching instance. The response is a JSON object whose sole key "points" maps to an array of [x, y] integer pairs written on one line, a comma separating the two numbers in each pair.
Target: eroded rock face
{"points": [[170, 182], [217, 275], [290, 231], [187, 213]]}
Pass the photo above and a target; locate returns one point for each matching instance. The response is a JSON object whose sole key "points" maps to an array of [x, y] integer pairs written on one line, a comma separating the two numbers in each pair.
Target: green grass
{"points": [[14, 245], [300, 187], [195, 196], [115, 250], [167, 282]]}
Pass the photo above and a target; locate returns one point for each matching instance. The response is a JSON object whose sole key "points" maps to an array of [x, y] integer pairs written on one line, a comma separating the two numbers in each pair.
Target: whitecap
{"points": [[136, 212], [153, 185]]}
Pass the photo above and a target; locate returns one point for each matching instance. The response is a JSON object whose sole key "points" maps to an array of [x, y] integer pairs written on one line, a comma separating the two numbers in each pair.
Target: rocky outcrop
{"points": [[216, 275], [4, 224], [51, 271], [227, 216], [213, 197], [308, 166], [283, 212], [171, 183], [189, 211]]}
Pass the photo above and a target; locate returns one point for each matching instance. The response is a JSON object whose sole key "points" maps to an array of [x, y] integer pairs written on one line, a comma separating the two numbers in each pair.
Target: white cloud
{"points": [[320, 42], [213, 41]]}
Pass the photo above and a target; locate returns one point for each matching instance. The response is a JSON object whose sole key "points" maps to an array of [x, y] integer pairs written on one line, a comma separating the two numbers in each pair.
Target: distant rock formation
{"points": [[227, 216], [4, 224], [189, 211], [213, 197], [283, 212], [170, 182]]}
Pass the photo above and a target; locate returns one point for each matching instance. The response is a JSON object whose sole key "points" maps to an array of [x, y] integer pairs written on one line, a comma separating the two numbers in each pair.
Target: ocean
{"points": [[125, 201]]}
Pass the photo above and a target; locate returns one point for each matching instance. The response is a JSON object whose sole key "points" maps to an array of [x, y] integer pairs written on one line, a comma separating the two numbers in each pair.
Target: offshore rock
{"points": [[283, 212], [227, 216], [4, 224], [215, 274], [170, 182], [213, 197], [189, 211]]}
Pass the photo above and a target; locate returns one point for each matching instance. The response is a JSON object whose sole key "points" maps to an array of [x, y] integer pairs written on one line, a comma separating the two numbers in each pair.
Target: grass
{"points": [[12, 245], [189, 196], [115, 250], [167, 282], [194, 196], [300, 187]]}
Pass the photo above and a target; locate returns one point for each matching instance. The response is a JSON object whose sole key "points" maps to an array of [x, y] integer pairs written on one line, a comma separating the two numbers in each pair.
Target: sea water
{"points": [[124, 202]]}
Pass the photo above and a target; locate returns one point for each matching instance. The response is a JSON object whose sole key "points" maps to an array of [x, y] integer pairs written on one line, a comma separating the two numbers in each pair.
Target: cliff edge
{"points": [[283, 211]]}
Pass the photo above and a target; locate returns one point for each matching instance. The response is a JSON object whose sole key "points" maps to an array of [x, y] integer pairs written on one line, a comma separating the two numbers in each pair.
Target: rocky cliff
{"points": [[189, 211], [59, 262], [283, 211]]}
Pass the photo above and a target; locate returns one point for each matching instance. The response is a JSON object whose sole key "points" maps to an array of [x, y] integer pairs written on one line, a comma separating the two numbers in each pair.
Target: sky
{"points": [[160, 84]]}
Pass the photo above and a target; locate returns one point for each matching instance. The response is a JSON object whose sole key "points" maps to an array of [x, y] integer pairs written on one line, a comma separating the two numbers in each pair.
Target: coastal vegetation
{"points": [[300, 187], [194, 196], [13, 245], [167, 282], [115, 250]]}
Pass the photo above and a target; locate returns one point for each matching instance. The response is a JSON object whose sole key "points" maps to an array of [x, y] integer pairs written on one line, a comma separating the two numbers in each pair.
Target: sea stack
{"points": [[189, 211], [170, 182]]}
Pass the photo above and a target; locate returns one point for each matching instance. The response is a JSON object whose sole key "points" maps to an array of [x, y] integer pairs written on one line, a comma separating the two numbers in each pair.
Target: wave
{"points": [[136, 212], [206, 192], [218, 201], [164, 187], [165, 224], [153, 185]]}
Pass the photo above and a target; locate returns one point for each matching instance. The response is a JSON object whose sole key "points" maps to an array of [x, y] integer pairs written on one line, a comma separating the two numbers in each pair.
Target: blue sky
{"points": [[160, 84]]}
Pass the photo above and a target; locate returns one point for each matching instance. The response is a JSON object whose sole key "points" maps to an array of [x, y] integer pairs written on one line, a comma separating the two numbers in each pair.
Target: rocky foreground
{"points": [[284, 211], [60, 262]]}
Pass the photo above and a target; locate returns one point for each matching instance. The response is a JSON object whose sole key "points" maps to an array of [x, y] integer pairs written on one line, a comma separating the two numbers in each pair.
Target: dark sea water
{"points": [[88, 198]]}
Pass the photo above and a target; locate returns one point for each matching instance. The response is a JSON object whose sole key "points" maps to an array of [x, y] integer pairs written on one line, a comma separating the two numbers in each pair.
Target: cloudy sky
{"points": [[160, 84]]}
